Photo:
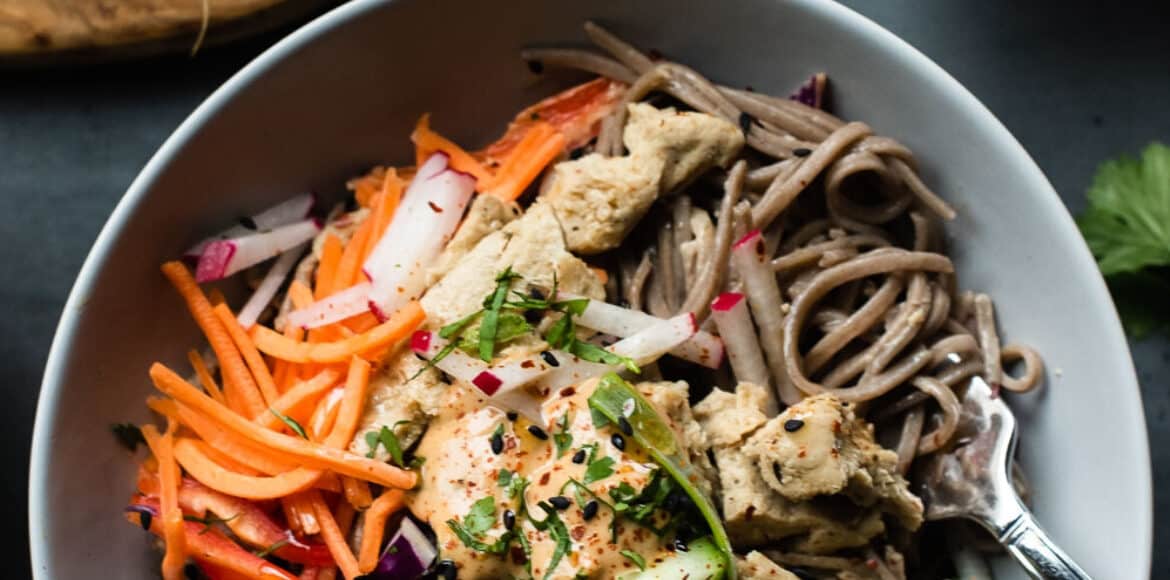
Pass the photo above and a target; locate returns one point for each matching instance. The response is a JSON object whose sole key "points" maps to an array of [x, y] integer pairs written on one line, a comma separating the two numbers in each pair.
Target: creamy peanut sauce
{"points": [[461, 469]]}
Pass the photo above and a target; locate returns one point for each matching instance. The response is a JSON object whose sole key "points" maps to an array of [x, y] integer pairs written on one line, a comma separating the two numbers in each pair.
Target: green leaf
{"points": [[292, 424], [481, 517], [599, 470], [270, 549], [509, 327], [1127, 223], [389, 441], [209, 521], [562, 333], [128, 435], [557, 531], [636, 558], [457, 327], [593, 353], [491, 315], [562, 438], [500, 546], [611, 398], [576, 306]]}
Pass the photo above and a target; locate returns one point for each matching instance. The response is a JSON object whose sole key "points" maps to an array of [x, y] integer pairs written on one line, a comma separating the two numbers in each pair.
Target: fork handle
{"points": [[1036, 552]]}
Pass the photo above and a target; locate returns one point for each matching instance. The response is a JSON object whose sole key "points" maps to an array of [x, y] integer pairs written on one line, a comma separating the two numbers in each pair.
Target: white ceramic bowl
{"points": [[342, 93]]}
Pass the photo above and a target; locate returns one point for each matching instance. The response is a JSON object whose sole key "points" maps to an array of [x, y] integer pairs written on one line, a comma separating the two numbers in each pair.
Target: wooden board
{"points": [[55, 30]]}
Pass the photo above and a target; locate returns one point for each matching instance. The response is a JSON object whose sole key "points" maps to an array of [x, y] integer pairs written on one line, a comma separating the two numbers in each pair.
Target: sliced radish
{"points": [[763, 295], [506, 385], [264, 293], [703, 348], [222, 258], [652, 342], [337, 307], [743, 347], [286, 212], [431, 211], [812, 91]]}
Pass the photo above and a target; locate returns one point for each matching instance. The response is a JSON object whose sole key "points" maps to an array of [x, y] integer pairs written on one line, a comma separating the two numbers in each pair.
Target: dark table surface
{"points": [[1075, 82]]}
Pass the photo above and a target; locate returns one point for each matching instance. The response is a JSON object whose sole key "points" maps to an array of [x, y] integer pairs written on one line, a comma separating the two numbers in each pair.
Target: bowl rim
{"points": [[45, 421]]}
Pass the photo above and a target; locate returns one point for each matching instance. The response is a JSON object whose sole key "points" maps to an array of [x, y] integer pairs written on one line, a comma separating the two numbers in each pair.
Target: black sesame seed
{"points": [[802, 152], [550, 358], [625, 426], [538, 432], [512, 415], [579, 457], [577, 153], [446, 569], [145, 518], [745, 122], [533, 317], [536, 66], [497, 443], [536, 294], [793, 425], [560, 502], [680, 545], [618, 441], [590, 510], [249, 223], [509, 519]]}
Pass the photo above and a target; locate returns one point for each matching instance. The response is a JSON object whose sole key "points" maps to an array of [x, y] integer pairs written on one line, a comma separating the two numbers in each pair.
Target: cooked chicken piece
{"points": [[756, 566], [486, 215]]}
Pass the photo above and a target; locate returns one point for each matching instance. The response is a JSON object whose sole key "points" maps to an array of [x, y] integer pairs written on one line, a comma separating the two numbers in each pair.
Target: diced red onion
{"points": [[812, 91], [286, 212], [222, 258], [407, 556], [268, 287], [729, 310], [703, 348], [763, 294], [430, 212]]}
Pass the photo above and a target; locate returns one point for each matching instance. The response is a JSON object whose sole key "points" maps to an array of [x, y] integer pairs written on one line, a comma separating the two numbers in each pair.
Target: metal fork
{"points": [[972, 481]]}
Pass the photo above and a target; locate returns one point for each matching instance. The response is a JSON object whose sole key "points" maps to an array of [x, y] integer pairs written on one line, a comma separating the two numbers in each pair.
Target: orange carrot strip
{"points": [[251, 356], [351, 405], [334, 538], [361, 323], [575, 112], [204, 375], [306, 453], [230, 462], [367, 186], [325, 414], [397, 327], [190, 454], [216, 297], [300, 295], [427, 142], [538, 148], [350, 265], [238, 382], [162, 447], [384, 209], [242, 449], [296, 402], [375, 526], [327, 268], [357, 493]]}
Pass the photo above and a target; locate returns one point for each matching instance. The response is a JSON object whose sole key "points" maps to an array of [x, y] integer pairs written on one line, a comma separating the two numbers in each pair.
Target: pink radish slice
{"points": [[505, 385], [743, 347], [222, 258], [264, 293], [286, 212], [335, 308], [644, 346], [430, 212], [703, 348], [763, 296]]}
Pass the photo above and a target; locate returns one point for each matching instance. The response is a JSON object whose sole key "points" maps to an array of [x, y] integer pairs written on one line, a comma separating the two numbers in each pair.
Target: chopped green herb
{"points": [[270, 549], [500, 546], [599, 470], [557, 531], [593, 353], [128, 435], [393, 549], [208, 521], [509, 327], [481, 517], [457, 327], [636, 558], [504, 478], [489, 325], [562, 438], [389, 441], [292, 423]]}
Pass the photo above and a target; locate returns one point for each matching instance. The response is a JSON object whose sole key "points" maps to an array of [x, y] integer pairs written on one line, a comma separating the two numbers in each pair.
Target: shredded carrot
{"points": [[216, 297], [238, 382], [228, 442], [162, 447], [374, 527], [205, 378], [351, 404], [357, 493], [327, 268], [255, 362], [383, 214], [304, 511], [325, 414], [575, 112], [300, 295], [349, 267], [539, 147], [397, 327], [427, 142], [229, 462], [366, 186], [192, 456], [298, 401], [334, 538], [300, 451]]}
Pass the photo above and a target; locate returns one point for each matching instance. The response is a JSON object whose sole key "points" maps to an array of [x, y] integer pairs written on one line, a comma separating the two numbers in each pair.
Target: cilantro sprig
{"points": [[1127, 227]]}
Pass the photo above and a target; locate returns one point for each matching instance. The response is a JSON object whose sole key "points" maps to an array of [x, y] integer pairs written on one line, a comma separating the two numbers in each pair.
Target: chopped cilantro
{"points": [[489, 325], [636, 558], [208, 521], [388, 440], [599, 470], [292, 423], [562, 438], [270, 549]]}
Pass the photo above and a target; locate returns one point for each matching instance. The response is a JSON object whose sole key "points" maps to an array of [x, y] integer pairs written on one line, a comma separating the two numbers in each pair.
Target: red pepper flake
{"points": [[544, 478], [871, 563], [434, 207], [802, 453], [577, 532]]}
